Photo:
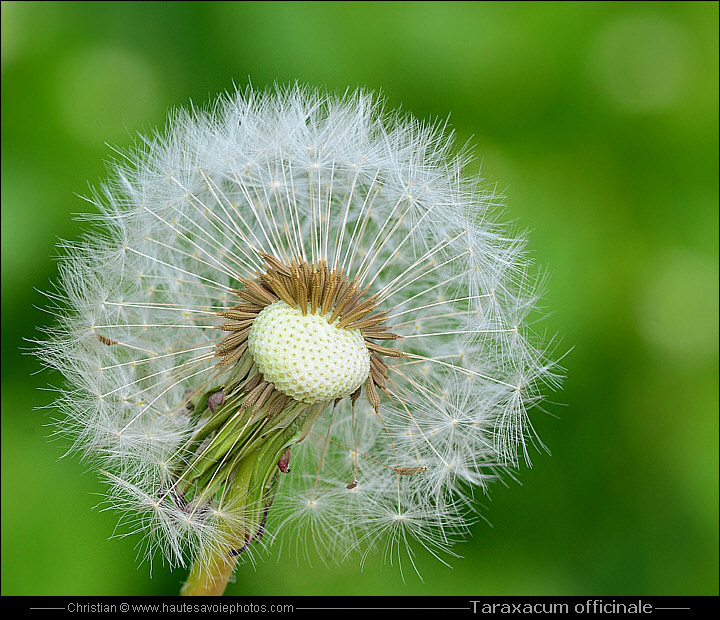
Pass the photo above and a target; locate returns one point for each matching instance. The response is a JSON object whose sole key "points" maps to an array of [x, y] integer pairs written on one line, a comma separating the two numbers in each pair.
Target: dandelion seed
{"points": [[294, 274]]}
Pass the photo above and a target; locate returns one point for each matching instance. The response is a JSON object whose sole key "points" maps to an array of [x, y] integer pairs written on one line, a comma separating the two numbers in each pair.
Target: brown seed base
{"points": [[310, 288]]}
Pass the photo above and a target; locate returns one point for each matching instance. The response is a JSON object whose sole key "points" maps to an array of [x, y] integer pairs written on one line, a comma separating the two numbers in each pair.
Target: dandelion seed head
{"points": [[298, 317]]}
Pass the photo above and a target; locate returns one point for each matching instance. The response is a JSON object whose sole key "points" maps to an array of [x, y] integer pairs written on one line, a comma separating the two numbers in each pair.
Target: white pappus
{"points": [[298, 300]]}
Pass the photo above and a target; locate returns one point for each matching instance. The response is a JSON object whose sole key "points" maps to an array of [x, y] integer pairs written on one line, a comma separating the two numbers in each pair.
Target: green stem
{"points": [[210, 572], [205, 581]]}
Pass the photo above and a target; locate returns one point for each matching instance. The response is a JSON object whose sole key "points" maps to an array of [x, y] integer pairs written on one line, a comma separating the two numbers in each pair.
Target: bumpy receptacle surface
{"points": [[306, 357]]}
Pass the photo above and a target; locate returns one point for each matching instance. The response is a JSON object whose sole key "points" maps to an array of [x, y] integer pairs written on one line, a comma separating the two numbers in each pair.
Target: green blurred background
{"points": [[599, 122]]}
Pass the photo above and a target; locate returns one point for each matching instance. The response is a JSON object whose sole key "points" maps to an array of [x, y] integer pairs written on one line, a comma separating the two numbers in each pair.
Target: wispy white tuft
{"points": [[298, 173]]}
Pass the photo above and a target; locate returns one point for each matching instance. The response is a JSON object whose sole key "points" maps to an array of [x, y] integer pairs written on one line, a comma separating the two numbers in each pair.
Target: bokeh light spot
{"points": [[105, 95], [679, 308], [641, 62]]}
